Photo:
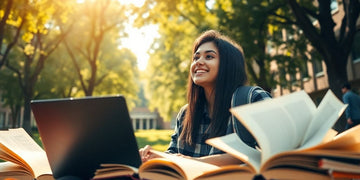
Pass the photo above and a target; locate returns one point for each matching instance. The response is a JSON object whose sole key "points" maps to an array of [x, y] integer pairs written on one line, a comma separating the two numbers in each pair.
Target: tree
{"points": [[101, 22], [335, 49], [12, 95], [180, 22], [12, 22], [253, 25], [58, 79], [39, 40]]}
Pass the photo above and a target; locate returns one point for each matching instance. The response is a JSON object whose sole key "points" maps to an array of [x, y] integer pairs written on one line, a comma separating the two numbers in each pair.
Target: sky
{"points": [[139, 40]]}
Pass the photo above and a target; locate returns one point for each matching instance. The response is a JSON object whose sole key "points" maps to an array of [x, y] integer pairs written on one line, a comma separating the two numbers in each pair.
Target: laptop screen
{"points": [[79, 134]]}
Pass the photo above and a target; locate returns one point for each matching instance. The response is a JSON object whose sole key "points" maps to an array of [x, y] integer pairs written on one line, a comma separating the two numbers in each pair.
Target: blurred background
{"points": [[142, 49]]}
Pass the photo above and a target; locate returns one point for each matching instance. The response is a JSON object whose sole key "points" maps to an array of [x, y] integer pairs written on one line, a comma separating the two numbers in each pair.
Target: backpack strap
{"points": [[241, 96]]}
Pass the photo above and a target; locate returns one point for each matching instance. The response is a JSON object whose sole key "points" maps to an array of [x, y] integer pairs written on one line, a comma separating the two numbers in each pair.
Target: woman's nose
{"points": [[200, 61]]}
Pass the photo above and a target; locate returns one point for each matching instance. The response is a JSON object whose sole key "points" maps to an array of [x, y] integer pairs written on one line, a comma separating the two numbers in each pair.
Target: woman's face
{"points": [[205, 65]]}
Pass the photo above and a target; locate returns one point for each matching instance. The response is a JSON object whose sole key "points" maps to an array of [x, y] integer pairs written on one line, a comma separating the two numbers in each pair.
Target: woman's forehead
{"points": [[205, 47]]}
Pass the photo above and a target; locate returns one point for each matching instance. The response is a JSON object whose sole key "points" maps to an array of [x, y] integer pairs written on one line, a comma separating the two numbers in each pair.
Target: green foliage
{"points": [[11, 95], [90, 61], [180, 22], [92, 46], [39, 39], [258, 26], [93, 34], [250, 23]]}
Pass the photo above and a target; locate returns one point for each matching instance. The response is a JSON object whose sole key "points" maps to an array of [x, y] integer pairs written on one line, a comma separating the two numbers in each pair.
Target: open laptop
{"points": [[78, 134]]}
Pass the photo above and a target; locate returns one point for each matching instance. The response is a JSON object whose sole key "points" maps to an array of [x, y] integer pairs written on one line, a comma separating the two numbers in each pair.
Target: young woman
{"points": [[216, 71]]}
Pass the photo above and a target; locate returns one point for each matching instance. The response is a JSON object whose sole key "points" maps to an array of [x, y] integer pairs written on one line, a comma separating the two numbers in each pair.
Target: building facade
{"points": [[144, 119], [315, 82]]}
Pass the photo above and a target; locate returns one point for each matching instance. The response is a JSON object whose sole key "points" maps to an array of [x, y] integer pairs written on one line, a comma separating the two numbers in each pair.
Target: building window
{"points": [[317, 64], [144, 121], [304, 72], [137, 123], [151, 125], [355, 52], [318, 69]]}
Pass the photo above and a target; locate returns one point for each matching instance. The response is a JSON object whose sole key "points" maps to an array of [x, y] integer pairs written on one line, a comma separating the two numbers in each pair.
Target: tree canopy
{"points": [[63, 49]]}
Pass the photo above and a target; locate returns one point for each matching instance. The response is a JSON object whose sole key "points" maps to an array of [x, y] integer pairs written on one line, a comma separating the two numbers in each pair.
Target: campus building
{"points": [[315, 80], [144, 119]]}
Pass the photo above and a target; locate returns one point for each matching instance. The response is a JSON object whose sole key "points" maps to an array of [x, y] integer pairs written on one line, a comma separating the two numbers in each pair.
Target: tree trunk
{"points": [[337, 76], [27, 115]]}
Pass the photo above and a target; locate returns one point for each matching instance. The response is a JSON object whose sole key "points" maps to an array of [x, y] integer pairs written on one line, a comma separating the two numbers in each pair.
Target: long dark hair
{"points": [[231, 74]]}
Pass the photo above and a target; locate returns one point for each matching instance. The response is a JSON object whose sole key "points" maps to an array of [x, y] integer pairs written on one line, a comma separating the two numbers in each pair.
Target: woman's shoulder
{"points": [[259, 94], [251, 94], [183, 109], [181, 114]]}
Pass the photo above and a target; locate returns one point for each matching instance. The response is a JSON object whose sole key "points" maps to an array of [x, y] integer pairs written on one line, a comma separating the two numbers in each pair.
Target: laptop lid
{"points": [[78, 134]]}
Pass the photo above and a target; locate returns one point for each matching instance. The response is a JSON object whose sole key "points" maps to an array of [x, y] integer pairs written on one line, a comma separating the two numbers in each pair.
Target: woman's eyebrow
{"points": [[207, 51]]}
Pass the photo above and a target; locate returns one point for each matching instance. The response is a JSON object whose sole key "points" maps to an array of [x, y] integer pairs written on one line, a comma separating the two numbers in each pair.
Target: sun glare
{"points": [[139, 40], [137, 3]]}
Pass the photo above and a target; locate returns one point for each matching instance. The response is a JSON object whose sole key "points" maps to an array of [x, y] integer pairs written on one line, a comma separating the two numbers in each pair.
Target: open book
{"points": [[168, 167], [24, 158], [293, 135]]}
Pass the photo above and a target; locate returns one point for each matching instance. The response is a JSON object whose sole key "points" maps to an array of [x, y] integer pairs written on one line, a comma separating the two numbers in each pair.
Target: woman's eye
{"points": [[195, 58], [209, 56]]}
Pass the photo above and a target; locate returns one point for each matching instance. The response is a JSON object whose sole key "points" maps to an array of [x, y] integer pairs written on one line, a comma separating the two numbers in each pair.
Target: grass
{"points": [[158, 139]]}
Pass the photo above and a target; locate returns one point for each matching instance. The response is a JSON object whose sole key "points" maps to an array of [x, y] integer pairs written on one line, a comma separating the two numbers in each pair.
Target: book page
{"points": [[9, 167], [108, 171], [329, 135], [328, 112], [191, 168], [330, 164], [348, 140], [277, 124], [233, 145], [21, 144]]}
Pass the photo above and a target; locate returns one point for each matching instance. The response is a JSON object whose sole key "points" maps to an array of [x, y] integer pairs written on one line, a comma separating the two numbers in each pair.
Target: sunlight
{"points": [[139, 42], [137, 3], [140, 39]]}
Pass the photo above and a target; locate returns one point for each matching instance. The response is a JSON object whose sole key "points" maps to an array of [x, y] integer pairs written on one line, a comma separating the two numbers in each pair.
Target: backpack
{"points": [[241, 96]]}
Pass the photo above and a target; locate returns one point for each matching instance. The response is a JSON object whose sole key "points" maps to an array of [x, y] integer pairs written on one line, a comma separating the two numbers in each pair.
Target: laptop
{"points": [[79, 134]]}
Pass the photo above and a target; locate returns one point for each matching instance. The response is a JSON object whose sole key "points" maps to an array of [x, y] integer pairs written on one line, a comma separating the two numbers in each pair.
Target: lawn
{"points": [[158, 139]]}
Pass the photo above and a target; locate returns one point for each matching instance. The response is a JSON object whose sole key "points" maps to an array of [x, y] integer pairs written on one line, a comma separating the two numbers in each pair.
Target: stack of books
{"points": [[295, 138]]}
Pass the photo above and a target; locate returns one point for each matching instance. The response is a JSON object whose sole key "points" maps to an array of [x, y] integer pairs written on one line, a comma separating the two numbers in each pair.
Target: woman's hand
{"points": [[146, 154]]}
